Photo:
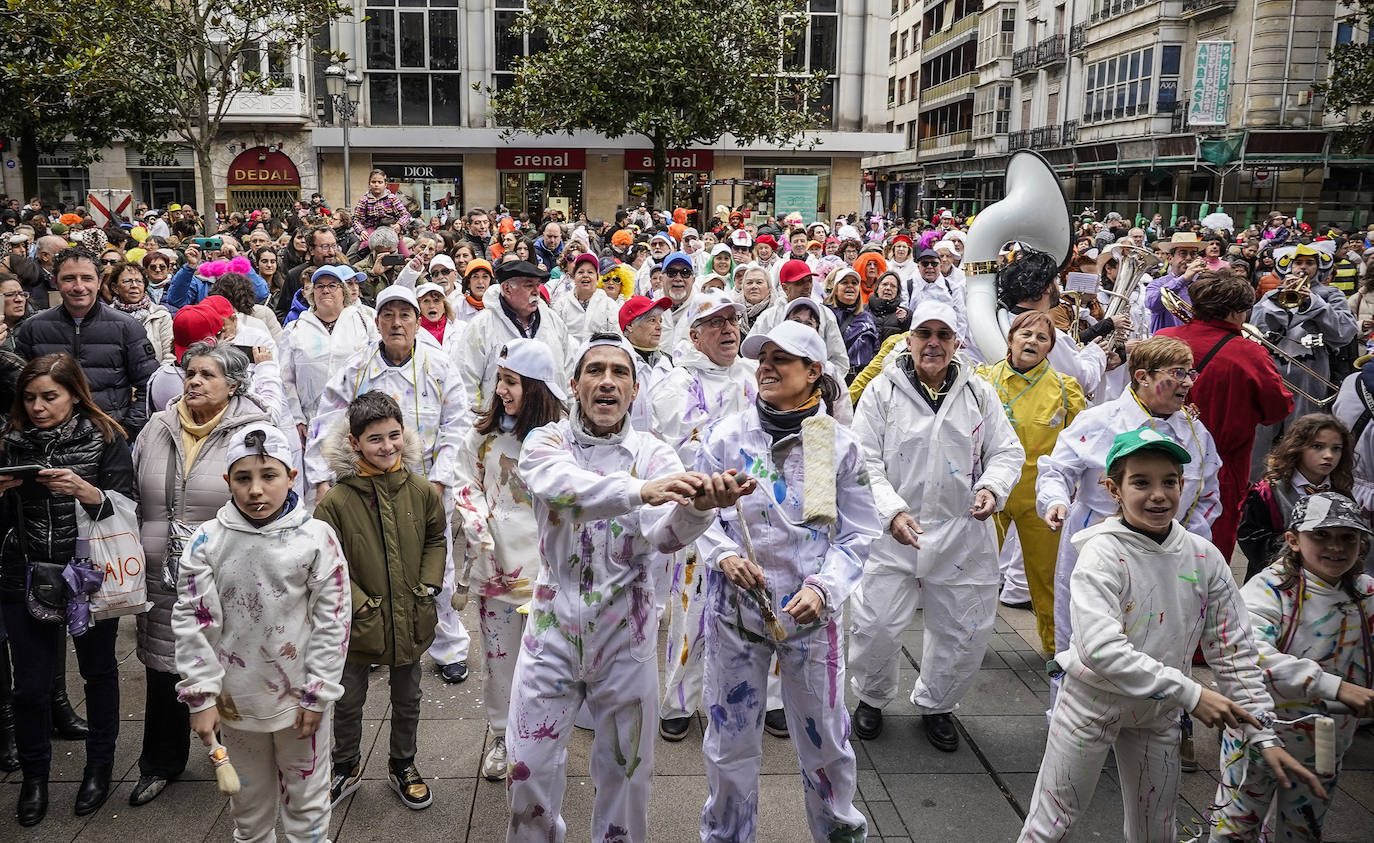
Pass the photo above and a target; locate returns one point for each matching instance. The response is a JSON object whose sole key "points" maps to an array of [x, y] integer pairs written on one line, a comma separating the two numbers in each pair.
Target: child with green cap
{"points": [[1145, 592]]}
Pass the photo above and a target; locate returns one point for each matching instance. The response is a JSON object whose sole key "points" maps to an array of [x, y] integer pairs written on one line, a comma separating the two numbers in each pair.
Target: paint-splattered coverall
{"points": [[1139, 608], [592, 634], [930, 464], [1304, 659], [739, 648]]}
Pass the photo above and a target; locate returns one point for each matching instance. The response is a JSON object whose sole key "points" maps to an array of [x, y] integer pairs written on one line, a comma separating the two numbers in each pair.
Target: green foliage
{"points": [[671, 71], [1351, 86]]}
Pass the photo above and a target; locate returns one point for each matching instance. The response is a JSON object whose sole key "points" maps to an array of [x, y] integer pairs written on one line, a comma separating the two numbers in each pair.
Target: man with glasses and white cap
{"points": [[930, 284], [607, 499], [661, 245], [709, 383], [518, 311], [424, 381], [942, 457], [797, 279], [679, 285]]}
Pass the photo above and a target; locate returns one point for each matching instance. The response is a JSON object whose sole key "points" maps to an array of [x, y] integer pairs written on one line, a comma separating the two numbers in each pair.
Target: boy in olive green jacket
{"points": [[390, 522]]}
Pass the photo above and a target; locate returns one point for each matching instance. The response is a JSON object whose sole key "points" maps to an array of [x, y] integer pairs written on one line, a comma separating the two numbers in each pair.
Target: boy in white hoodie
{"points": [[1145, 593], [262, 621]]}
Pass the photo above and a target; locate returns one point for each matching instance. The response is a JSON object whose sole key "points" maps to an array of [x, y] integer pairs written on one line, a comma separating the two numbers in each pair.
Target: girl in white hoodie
{"points": [[261, 622], [1145, 593], [1311, 613]]}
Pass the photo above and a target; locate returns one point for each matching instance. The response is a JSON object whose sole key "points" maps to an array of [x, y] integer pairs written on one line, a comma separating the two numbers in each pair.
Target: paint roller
{"points": [[1323, 735], [225, 774]]}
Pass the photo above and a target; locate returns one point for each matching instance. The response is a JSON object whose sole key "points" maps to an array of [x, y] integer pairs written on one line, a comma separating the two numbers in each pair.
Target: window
{"points": [[904, 50], [949, 65], [512, 44], [418, 47], [816, 50], [992, 111], [1345, 33], [892, 47], [271, 61], [1125, 86], [901, 92], [891, 91], [995, 36]]}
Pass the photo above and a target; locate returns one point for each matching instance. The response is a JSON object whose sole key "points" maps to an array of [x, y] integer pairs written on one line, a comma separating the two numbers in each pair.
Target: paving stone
{"points": [[903, 748], [1011, 744], [186, 810], [953, 806]]}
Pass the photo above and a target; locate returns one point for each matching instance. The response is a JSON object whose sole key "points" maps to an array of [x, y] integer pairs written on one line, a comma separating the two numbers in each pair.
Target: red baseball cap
{"points": [[192, 324], [636, 306], [793, 271]]}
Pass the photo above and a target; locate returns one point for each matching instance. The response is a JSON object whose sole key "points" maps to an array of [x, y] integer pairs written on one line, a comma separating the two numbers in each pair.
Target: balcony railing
{"points": [[960, 27], [958, 84], [1023, 61], [282, 104], [1078, 38], [1018, 140], [1202, 9], [1050, 51], [1068, 135], [1179, 114], [1044, 137], [943, 141]]}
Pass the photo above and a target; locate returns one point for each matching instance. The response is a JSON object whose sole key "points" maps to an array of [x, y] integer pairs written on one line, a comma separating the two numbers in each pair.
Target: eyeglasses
{"points": [[1179, 373], [678, 273], [327, 286], [156, 267], [739, 248], [441, 272], [928, 263], [924, 334], [109, 261], [18, 294], [716, 323]]}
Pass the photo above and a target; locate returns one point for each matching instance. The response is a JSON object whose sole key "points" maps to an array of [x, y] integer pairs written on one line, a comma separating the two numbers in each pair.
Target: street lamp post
{"points": [[343, 86]]}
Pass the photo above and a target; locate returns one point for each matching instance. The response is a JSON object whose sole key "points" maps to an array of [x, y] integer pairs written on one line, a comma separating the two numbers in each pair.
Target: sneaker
{"points": [[343, 784], [674, 729], [454, 673], [775, 723], [409, 786], [494, 764]]}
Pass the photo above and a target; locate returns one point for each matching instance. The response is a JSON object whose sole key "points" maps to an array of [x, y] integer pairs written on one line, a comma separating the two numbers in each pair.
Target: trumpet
{"points": [[1183, 312], [1296, 292]]}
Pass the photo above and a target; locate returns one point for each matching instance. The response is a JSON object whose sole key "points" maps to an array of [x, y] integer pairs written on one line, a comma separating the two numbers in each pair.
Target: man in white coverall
{"points": [[942, 457], [607, 498]]}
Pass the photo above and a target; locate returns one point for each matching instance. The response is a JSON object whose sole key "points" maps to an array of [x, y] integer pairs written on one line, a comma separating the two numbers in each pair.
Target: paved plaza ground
{"points": [[909, 791]]}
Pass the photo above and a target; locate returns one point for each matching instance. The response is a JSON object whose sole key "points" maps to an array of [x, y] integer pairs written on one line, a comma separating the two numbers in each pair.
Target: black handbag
{"points": [[45, 592]]}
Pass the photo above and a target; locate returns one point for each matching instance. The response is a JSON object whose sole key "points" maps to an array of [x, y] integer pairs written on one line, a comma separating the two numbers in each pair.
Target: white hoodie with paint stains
{"points": [[262, 618]]}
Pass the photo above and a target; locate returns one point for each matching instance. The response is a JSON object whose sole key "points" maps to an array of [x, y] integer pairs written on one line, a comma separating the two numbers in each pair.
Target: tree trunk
{"points": [[660, 197], [28, 165], [204, 139]]}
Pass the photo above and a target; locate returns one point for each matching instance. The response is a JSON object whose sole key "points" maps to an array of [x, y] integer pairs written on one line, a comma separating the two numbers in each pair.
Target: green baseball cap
{"points": [[1145, 438]]}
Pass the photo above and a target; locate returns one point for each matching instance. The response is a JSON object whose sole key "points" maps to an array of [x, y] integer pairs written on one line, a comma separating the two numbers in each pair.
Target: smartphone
{"points": [[246, 349], [27, 471], [394, 260], [212, 243]]}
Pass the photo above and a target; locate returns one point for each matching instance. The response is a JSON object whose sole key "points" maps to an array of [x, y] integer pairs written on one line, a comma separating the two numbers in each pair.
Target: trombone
{"points": [[1183, 311]]}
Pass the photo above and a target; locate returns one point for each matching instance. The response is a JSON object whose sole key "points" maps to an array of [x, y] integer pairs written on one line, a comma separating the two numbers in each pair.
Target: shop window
{"points": [[62, 184], [421, 45]]}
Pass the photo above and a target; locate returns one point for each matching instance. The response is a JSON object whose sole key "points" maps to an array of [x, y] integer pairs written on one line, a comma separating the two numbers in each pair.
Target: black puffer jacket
{"points": [[39, 525], [113, 350]]}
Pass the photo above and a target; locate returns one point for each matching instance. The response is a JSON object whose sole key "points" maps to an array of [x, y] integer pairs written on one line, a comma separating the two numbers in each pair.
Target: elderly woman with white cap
{"points": [[317, 345], [607, 499], [425, 382], [779, 568], [497, 520], [942, 458]]}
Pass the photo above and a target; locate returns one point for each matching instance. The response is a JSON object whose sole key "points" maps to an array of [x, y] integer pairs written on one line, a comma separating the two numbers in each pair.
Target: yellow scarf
{"points": [[367, 469], [193, 435]]}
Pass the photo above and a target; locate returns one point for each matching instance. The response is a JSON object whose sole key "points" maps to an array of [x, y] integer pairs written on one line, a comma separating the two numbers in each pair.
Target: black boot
{"points": [[33, 801], [95, 787], [9, 752], [66, 723]]}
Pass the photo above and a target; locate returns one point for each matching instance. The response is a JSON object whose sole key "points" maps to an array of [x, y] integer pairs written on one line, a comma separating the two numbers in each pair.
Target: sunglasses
{"points": [[326, 287], [924, 334], [109, 261], [678, 273], [441, 272], [928, 263]]}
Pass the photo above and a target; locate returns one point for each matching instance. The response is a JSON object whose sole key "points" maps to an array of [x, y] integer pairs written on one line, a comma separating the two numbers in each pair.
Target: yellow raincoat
{"points": [[1040, 404]]}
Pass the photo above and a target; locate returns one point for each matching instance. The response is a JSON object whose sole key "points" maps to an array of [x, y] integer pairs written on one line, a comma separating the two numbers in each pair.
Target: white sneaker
{"points": [[494, 764]]}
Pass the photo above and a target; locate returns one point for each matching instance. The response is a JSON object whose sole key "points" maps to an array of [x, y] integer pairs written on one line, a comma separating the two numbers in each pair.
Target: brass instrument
{"points": [[1296, 292], [1183, 311], [1133, 263]]}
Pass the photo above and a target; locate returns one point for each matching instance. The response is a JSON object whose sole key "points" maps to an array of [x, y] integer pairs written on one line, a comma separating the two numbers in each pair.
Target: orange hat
{"points": [[478, 263], [506, 224], [680, 216], [622, 239]]}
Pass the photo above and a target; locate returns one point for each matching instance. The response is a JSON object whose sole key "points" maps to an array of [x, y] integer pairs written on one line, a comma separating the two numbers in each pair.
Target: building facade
{"points": [[423, 119], [1176, 107]]}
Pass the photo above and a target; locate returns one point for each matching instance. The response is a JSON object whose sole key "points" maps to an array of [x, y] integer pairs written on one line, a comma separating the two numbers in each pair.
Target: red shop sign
{"points": [[541, 159], [642, 160], [260, 166]]}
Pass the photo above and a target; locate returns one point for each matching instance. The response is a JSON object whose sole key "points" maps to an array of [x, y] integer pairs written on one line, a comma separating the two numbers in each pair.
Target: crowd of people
{"points": [[340, 427]]}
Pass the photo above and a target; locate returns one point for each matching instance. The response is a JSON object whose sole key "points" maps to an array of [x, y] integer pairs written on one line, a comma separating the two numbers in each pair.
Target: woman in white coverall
{"points": [[943, 457], [1069, 488], [607, 498], [811, 522]]}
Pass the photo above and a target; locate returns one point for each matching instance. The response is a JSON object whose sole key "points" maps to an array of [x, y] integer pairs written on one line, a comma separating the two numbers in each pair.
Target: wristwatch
{"points": [[1267, 743]]}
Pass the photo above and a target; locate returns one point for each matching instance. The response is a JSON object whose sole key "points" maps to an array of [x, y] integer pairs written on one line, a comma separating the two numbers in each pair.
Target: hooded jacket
{"points": [[261, 618], [836, 351], [930, 463], [392, 531], [696, 394], [311, 354], [1141, 608], [489, 331], [159, 465], [497, 516], [599, 315]]}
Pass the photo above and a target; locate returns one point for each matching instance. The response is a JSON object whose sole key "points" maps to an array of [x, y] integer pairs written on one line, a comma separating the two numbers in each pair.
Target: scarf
{"points": [[139, 310], [882, 307], [367, 469], [193, 435], [647, 353], [866, 288], [779, 424], [477, 304], [527, 333], [436, 328]]}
